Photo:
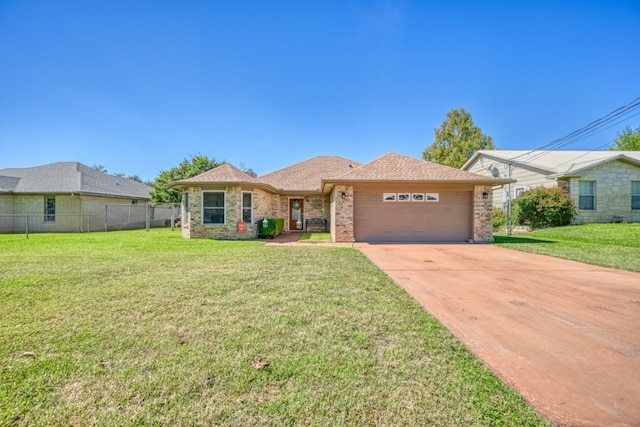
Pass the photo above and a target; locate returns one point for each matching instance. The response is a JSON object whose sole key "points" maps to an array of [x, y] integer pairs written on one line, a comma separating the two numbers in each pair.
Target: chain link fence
{"points": [[114, 217]]}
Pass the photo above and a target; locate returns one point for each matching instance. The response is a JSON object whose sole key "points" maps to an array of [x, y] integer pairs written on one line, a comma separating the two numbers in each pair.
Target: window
{"points": [[587, 195], [213, 207], [517, 191], [247, 207], [635, 195], [50, 209]]}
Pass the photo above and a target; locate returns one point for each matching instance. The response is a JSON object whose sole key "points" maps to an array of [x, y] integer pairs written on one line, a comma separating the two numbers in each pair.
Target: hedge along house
{"points": [[394, 198]]}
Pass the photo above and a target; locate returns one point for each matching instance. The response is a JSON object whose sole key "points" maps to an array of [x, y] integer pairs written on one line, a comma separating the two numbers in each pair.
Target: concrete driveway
{"points": [[563, 334]]}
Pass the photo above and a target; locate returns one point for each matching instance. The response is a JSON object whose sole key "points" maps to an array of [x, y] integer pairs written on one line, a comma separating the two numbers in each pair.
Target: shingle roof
{"points": [[308, 175], [225, 173], [396, 167], [556, 162], [70, 177]]}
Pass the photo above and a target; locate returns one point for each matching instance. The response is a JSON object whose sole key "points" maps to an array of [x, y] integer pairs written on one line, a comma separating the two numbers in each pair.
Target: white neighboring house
{"points": [[605, 185]]}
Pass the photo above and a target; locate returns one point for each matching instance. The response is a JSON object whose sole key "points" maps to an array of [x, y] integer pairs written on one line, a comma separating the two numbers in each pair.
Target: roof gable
{"points": [[225, 173], [307, 176], [396, 167], [71, 177]]}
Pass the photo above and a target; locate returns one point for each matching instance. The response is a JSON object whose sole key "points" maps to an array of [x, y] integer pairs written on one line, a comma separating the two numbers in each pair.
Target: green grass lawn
{"points": [[315, 238], [608, 245], [147, 328]]}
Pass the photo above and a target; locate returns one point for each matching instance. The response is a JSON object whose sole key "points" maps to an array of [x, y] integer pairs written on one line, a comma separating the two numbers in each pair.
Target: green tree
{"points": [[186, 169], [456, 140], [627, 140]]}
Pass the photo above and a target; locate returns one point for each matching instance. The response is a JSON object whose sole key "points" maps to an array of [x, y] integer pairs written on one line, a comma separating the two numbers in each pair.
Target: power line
{"points": [[589, 129]]}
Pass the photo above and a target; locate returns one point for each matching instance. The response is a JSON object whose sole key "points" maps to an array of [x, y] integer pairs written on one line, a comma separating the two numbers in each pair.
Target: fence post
{"points": [[106, 213], [148, 216], [173, 215], [26, 225]]}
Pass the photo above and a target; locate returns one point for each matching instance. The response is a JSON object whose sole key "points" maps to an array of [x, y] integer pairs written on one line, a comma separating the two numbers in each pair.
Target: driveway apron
{"points": [[563, 334]]}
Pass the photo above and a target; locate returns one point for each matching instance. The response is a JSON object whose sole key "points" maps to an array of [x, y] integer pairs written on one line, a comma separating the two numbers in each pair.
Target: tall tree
{"points": [[627, 140], [456, 140], [186, 169]]}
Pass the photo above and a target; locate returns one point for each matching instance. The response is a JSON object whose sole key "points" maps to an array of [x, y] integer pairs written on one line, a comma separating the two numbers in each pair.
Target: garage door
{"points": [[448, 218]]}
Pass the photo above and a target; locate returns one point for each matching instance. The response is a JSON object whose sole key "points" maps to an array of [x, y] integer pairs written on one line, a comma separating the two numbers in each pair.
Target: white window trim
{"points": [[242, 207], [595, 200], [519, 187], [224, 207], [634, 194]]}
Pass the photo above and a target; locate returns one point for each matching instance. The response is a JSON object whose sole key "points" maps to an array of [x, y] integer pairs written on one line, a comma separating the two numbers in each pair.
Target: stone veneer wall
{"points": [[342, 214], [264, 204], [482, 215], [613, 193]]}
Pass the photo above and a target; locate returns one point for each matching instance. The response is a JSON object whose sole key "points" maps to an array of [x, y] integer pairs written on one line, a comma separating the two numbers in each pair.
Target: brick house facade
{"points": [[393, 198]]}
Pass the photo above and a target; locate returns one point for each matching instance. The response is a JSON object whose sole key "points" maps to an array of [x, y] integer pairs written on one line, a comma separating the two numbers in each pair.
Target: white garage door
{"points": [[449, 219]]}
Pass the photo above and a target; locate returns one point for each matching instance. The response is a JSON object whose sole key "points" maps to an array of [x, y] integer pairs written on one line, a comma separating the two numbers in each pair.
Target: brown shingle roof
{"points": [[396, 167], [308, 175], [225, 173]]}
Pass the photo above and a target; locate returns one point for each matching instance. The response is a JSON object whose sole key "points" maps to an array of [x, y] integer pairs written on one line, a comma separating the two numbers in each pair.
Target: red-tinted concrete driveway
{"points": [[565, 335]]}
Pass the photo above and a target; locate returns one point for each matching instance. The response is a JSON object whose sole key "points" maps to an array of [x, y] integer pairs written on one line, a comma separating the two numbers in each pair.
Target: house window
{"points": [[213, 208], [50, 209], [517, 191], [247, 207], [587, 195], [635, 195]]}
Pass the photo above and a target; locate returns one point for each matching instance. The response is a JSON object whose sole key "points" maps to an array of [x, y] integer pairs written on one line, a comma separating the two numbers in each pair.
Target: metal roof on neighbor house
{"points": [[70, 177], [555, 162]]}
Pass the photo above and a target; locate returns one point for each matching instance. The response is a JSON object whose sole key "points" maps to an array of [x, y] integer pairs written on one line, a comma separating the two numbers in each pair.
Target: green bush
{"points": [[545, 207], [272, 230], [500, 218]]}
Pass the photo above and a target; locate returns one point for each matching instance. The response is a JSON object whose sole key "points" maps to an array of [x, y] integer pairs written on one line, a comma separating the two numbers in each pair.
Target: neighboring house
{"points": [[63, 197], [394, 198], [605, 185]]}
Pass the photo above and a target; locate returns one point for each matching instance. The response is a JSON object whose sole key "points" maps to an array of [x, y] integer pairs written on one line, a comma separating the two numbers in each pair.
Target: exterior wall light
{"points": [[344, 195], [485, 194], [265, 222]]}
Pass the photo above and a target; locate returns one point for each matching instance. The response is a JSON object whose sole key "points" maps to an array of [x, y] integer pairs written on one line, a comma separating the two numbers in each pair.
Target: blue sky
{"points": [[137, 86]]}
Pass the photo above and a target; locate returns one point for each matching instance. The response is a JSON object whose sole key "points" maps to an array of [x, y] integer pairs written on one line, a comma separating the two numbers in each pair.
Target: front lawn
{"points": [[147, 328], [607, 245]]}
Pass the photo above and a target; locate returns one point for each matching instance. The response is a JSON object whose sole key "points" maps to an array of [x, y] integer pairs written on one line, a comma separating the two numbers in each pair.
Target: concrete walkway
{"points": [[563, 334]]}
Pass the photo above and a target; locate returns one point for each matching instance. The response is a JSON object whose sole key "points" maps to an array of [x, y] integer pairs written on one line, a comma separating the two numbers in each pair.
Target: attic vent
{"points": [[350, 165], [495, 172]]}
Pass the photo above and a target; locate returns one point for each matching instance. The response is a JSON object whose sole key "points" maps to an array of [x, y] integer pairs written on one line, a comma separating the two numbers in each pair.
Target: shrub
{"points": [[500, 218], [545, 207], [273, 229]]}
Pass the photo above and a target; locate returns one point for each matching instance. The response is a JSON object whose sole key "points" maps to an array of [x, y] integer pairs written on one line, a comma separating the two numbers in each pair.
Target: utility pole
{"points": [[509, 218]]}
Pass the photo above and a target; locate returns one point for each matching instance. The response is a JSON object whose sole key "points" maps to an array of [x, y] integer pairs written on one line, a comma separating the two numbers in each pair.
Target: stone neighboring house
{"points": [[63, 197], [605, 185], [394, 198]]}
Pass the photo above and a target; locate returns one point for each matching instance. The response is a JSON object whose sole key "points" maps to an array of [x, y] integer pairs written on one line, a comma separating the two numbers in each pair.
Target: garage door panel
{"points": [[448, 220]]}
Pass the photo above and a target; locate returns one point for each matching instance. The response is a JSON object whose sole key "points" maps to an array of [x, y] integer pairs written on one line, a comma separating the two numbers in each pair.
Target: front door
{"points": [[295, 214]]}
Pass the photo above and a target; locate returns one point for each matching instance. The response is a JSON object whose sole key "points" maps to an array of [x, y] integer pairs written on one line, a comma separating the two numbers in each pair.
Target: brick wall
{"points": [[612, 193], [264, 204], [482, 214], [342, 213]]}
